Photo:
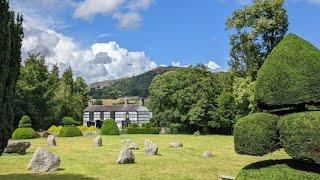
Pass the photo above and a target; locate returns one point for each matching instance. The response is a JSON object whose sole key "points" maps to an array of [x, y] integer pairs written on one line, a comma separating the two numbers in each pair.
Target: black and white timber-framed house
{"points": [[123, 115]]}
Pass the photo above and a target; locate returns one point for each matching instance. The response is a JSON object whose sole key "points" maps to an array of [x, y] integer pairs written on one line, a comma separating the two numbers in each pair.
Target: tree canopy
{"points": [[185, 97], [258, 28]]}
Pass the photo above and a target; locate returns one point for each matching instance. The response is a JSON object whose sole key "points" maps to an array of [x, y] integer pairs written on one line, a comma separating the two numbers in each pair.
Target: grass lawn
{"points": [[80, 160]]}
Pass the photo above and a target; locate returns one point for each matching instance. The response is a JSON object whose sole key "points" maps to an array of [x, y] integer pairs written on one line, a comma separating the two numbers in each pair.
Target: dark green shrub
{"points": [[25, 122], [300, 135], [109, 127], [24, 133], [290, 75], [70, 131], [69, 121], [134, 125], [256, 134], [175, 128], [142, 130]]}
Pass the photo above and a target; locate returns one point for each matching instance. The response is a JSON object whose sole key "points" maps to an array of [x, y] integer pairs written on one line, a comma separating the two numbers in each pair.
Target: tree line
{"points": [[194, 99], [46, 97]]}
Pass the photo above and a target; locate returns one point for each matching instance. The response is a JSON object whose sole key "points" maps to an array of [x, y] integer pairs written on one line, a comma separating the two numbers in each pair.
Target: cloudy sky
{"points": [[109, 39]]}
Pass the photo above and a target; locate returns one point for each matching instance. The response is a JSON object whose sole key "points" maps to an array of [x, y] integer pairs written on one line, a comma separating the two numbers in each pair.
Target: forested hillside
{"points": [[133, 86]]}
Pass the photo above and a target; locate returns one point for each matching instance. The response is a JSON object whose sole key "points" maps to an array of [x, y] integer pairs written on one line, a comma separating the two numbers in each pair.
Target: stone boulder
{"points": [[207, 154], [17, 147], [127, 143], [126, 156], [150, 148], [51, 140], [97, 142], [44, 161], [176, 144]]}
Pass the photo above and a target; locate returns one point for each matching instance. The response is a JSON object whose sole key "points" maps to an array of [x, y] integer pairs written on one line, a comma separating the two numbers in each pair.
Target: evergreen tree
{"points": [[11, 34]]}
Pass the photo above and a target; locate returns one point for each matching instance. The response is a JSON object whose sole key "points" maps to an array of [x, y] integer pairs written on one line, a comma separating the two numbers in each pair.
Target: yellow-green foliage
{"points": [[92, 129], [83, 128], [54, 129]]}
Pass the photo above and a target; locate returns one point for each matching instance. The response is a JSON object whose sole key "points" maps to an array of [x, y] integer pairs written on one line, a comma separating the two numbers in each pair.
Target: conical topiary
{"points": [[290, 75]]}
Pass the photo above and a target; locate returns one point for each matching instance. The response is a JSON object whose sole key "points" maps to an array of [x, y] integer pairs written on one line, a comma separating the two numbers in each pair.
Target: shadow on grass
{"points": [[294, 164], [44, 177]]}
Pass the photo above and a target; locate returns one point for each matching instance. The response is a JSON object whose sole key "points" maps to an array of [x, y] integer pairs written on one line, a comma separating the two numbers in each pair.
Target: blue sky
{"points": [[118, 38]]}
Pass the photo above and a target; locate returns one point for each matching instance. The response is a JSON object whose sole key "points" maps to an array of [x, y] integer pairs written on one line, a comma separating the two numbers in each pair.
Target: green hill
{"points": [[133, 86]]}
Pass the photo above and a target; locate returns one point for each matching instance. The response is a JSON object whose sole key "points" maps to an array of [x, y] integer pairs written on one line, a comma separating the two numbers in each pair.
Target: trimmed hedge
{"points": [[142, 130], [69, 121], [290, 75], [300, 135], [256, 134], [24, 133], [25, 122], [70, 131], [109, 127]]}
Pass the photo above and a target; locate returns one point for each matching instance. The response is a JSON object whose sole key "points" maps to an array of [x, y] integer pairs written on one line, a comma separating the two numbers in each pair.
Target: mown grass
{"points": [[81, 160]]}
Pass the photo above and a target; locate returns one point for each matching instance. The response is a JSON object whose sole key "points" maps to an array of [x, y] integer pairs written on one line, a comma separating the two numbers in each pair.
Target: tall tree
{"points": [[33, 92], [258, 29], [11, 34], [184, 98], [71, 96]]}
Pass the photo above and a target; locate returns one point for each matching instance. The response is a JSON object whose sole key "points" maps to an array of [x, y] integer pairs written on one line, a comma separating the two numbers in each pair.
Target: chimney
{"points": [[126, 102], [141, 101]]}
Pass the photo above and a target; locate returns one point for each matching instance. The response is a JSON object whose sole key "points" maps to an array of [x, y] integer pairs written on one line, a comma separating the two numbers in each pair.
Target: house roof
{"points": [[118, 108]]}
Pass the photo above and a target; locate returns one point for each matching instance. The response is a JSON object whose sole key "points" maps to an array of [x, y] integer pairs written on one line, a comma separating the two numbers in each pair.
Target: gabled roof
{"points": [[117, 108]]}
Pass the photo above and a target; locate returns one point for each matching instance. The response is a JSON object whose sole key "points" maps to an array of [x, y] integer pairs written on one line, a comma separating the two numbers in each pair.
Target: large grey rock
{"points": [[51, 140], [207, 154], [126, 156], [150, 148], [17, 147], [43, 161], [97, 142], [127, 143], [176, 144]]}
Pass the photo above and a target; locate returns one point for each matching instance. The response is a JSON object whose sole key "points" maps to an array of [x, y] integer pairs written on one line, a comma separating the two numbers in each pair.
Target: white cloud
{"points": [[126, 12], [89, 8], [101, 61], [130, 20], [214, 67]]}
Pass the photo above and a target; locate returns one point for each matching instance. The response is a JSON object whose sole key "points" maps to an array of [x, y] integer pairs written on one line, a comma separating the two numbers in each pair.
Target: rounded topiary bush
{"points": [[290, 75], [24, 133], [256, 134], [70, 131], [68, 121], [24, 130], [25, 122], [300, 135], [109, 127]]}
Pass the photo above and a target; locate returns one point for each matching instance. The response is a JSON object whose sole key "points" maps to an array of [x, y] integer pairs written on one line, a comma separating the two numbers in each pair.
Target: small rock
{"points": [[227, 177], [207, 154], [44, 161], [97, 142], [51, 140], [127, 143], [17, 147], [126, 156], [150, 148], [176, 144]]}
